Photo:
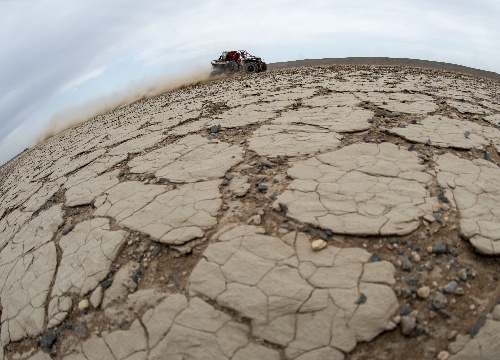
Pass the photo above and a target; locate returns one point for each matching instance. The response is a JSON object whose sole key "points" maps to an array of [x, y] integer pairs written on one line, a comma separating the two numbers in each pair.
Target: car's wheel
{"points": [[251, 68], [232, 66], [264, 66]]}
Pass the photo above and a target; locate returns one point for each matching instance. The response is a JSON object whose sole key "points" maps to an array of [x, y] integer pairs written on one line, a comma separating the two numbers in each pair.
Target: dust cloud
{"points": [[73, 116]]}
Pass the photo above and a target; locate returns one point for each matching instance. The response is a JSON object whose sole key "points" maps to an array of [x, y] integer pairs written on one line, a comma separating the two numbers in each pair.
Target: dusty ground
{"points": [[187, 220]]}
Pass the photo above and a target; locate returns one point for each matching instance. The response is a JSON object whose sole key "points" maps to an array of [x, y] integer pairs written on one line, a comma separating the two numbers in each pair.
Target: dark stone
{"points": [[276, 181], [438, 300], [487, 157], [162, 181], [418, 330], [229, 176], [443, 198], [323, 237], [267, 163], [440, 247], [176, 278], [428, 142], [215, 129], [474, 330], [406, 292], [466, 134], [405, 310], [441, 152], [361, 300], [151, 176], [393, 240], [375, 257], [284, 209], [329, 232], [370, 120], [450, 287], [407, 265], [225, 182], [412, 282], [134, 278], [76, 212], [444, 313], [401, 251], [412, 146], [262, 187], [414, 121], [48, 339], [80, 330], [366, 139], [155, 251], [67, 229], [121, 174], [106, 283], [437, 217]]}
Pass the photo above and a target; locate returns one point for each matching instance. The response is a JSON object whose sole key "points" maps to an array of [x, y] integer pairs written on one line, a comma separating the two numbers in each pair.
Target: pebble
{"points": [[319, 244], [424, 292], [48, 339], [408, 323], [83, 304], [462, 275], [375, 257], [406, 265], [415, 256], [440, 247], [438, 300], [443, 355], [450, 287]]}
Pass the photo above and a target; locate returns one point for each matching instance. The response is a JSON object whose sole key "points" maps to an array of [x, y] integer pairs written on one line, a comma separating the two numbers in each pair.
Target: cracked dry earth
{"points": [[339, 212]]}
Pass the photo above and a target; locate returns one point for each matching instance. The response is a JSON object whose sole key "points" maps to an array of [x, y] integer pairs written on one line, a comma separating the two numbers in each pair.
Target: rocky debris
{"points": [[465, 107], [362, 189], [273, 281]]}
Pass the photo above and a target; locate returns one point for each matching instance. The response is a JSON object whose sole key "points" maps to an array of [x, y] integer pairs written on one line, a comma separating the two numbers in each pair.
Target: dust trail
{"points": [[70, 117]]}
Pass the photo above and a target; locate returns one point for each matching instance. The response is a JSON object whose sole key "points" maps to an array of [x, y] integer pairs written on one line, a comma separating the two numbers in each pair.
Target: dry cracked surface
{"points": [[340, 212]]}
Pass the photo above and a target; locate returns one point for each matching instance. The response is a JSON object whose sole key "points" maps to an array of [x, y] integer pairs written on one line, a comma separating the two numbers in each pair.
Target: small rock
{"points": [[450, 287], [80, 330], [361, 300], [67, 229], [262, 187], [474, 330], [443, 355], [375, 257], [405, 310], [319, 244], [283, 208], [437, 217], [391, 325], [83, 304], [424, 292], [48, 339], [408, 323], [440, 247], [256, 219], [406, 265], [462, 275], [452, 335], [438, 300], [215, 129], [416, 256]]}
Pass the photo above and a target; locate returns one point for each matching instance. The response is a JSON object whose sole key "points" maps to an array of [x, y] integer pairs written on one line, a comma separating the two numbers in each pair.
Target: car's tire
{"points": [[251, 68], [232, 66], [264, 66]]}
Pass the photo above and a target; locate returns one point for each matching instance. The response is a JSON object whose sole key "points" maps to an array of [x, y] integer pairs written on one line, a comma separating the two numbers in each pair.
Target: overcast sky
{"points": [[58, 54]]}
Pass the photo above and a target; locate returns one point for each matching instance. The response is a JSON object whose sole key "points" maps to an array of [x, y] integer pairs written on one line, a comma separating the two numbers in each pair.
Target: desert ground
{"points": [[336, 212]]}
